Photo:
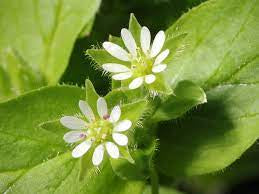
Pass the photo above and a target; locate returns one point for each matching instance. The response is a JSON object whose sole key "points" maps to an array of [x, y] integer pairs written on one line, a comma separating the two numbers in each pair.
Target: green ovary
{"points": [[142, 65]]}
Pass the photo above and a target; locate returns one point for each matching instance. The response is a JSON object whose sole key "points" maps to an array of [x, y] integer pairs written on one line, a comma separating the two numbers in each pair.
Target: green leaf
{"points": [[210, 57], [186, 96], [46, 37], [133, 111], [125, 96], [33, 155], [87, 28], [138, 170], [215, 136], [16, 76], [176, 46], [60, 175], [245, 168], [225, 65]]}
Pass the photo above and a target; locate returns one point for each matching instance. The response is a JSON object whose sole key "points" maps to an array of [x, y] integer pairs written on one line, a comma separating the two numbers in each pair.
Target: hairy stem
{"points": [[154, 180]]}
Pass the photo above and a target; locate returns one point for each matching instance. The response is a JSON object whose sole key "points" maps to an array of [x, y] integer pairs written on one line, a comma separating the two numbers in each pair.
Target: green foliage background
{"points": [[199, 147]]}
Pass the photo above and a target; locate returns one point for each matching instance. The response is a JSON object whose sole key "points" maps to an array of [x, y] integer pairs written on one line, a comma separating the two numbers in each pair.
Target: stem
{"points": [[154, 181]]}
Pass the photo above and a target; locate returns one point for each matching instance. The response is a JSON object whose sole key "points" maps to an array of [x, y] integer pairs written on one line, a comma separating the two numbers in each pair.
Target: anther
{"points": [[105, 117], [82, 135]]}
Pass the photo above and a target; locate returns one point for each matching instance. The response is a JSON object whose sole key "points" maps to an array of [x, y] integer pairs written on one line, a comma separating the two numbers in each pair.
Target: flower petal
{"points": [[115, 68], [73, 122], [158, 43], [102, 107], [112, 150], [115, 114], [81, 149], [129, 41], [123, 125], [98, 155], [116, 51], [136, 83], [159, 68], [120, 139], [74, 136], [145, 39], [161, 57], [150, 78], [86, 110], [122, 76]]}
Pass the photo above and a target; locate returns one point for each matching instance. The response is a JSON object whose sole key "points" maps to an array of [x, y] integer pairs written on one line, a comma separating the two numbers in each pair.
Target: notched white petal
{"points": [[74, 136], [98, 155], [123, 125], [161, 57], [120, 139], [122, 76], [86, 110], [145, 39], [73, 122], [129, 41], [150, 78], [137, 82], [115, 114], [102, 107], [115, 68], [159, 68], [116, 51], [81, 149], [112, 150], [158, 43]]}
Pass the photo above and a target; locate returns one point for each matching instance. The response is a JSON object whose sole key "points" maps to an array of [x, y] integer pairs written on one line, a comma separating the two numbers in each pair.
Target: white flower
{"points": [[145, 61], [103, 132]]}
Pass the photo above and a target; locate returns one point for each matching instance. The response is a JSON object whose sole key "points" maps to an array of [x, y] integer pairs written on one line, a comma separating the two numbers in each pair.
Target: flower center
{"points": [[142, 65], [100, 130]]}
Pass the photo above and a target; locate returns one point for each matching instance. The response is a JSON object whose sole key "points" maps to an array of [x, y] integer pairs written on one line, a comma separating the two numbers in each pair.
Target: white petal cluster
{"points": [[145, 60], [103, 132]]}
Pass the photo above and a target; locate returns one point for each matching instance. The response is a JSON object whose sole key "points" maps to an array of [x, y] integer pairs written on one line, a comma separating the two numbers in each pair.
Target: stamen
{"points": [[104, 136], [82, 135], [105, 117], [92, 139], [98, 130]]}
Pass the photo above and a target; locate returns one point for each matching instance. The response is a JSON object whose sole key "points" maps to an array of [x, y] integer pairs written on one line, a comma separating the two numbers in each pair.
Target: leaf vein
{"points": [[30, 139], [24, 173], [206, 85]]}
